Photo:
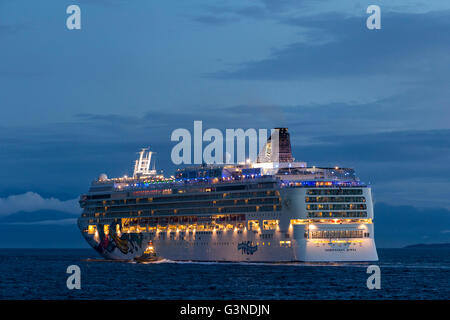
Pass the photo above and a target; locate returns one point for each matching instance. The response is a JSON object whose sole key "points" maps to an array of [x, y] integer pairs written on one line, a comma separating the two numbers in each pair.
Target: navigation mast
{"points": [[142, 165]]}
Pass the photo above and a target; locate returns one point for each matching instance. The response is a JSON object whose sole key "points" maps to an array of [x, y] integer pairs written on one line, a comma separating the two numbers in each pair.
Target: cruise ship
{"points": [[265, 211]]}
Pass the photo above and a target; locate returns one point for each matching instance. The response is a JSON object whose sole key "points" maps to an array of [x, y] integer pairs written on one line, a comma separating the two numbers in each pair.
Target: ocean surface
{"points": [[415, 273]]}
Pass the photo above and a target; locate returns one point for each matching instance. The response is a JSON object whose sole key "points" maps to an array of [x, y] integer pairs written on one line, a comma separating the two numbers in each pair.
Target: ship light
{"points": [[91, 229], [106, 229], [96, 236], [312, 227]]}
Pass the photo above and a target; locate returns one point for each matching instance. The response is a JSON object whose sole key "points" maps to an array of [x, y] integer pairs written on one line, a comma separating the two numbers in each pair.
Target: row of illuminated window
{"points": [[180, 242], [188, 197], [329, 221], [169, 190], [334, 191], [183, 219], [190, 204], [266, 225], [350, 206], [194, 224], [213, 210], [326, 234], [337, 214], [335, 199], [284, 244], [192, 229], [181, 233]]}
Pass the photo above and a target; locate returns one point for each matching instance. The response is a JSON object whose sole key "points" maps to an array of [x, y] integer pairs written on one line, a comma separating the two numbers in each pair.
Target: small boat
{"points": [[148, 256]]}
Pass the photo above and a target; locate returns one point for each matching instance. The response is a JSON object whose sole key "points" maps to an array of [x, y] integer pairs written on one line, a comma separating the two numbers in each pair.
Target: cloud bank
{"points": [[408, 45], [31, 201]]}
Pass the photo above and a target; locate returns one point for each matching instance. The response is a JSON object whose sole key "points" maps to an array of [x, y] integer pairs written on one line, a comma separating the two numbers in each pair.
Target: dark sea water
{"points": [[416, 273]]}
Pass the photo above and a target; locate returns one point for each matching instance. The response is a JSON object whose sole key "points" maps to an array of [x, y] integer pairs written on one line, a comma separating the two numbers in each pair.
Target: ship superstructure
{"points": [[272, 210]]}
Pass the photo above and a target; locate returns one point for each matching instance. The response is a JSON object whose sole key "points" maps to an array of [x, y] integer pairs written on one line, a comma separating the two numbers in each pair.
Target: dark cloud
{"points": [[420, 108], [112, 119], [407, 45], [40, 217], [425, 147]]}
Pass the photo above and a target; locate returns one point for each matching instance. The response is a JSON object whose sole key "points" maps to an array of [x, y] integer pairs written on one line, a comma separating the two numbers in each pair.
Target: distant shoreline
{"points": [[430, 245]]}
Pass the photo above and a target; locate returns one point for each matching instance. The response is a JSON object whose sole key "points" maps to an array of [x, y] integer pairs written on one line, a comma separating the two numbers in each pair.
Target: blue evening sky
{"points": [[81, 102]]}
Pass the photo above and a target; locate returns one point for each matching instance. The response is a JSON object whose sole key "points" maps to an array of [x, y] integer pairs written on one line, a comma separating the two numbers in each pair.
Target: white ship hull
{"points": [[211, 250], [289, 242]]}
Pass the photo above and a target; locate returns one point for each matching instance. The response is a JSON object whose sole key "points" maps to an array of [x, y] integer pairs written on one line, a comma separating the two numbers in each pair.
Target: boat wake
{"points": [[273, 264]]}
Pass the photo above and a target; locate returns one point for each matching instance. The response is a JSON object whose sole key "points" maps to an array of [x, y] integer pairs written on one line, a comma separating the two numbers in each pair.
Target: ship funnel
{"points": [[277, 147]]}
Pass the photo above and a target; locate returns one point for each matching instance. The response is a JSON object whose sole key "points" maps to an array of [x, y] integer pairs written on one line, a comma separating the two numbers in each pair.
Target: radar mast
{"points": [[142, 164]]}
